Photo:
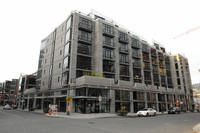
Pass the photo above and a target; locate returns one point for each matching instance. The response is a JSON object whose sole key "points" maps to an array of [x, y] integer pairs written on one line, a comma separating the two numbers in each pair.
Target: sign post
{"points": [[68, 99]]}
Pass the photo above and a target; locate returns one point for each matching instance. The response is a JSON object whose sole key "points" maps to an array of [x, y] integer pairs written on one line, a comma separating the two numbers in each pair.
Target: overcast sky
{"points": [[24, 23]]}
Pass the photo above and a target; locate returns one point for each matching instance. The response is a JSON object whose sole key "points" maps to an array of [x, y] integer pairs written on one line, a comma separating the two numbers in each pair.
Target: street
{"points": [[17, 121]]}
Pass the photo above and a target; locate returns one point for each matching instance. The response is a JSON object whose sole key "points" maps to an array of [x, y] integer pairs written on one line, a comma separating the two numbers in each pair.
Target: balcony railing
{"points": [[137, 55], [109, 33], [85, 39], [109, 44], [123, 40], [145, 49], [137, 65], [84, 26], [135, 45], [123, 50]]}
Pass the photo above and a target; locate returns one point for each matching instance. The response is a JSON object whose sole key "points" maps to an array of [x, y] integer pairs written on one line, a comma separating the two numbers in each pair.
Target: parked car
{"points": [[7, 107], [146, 112], [174, 110]]}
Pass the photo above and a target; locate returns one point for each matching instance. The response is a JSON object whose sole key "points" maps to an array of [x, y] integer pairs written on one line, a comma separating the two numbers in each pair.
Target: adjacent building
{"points": [[105, 67], [10, 91]]}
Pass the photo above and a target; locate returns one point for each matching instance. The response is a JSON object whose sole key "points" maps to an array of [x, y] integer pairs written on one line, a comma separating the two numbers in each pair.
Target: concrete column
{"points": [[166, 105], [54, 100], [42, 103], [131, 103], [112, 101], [28, 101], [34, 101], [157, 104], [145, 98]]}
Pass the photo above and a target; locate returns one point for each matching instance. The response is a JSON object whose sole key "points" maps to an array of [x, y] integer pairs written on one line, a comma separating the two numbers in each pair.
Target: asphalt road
{"points": [[15, 121]]}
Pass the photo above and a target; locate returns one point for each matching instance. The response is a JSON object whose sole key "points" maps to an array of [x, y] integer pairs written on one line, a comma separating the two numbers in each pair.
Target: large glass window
{"points": [[124, 58], [108, 29], [65, 78], [124, 70], [108, 53], [135, 53], [67, 49], [84, 49], [69, 22], [108, 40], [83, 63], [123, 47], [87, 36], [68, 35], [66, 62], [108, 66], [85, 23], [138, 95]]}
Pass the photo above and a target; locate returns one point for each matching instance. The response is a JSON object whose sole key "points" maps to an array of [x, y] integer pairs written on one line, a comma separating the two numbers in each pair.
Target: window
{"points": [[123, 47], [123, 37], [44, 71], [66, 62], [108, 53], [67, 49], [135, 53], [60, 52], [69, 22], [124, 70], [135, 43], [45, 61], [108, 29], [108, 40], [59, 66], [85, 35], [58, 79], [84, 49], [85, 23], [65, 78], [83, 63], [108, 66], [68, 35], [124, 58]]}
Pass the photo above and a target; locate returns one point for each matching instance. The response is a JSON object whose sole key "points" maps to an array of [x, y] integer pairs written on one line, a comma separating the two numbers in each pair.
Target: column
{"points": [[145, 98], [28, 101], [131, 103], [166, 102], [112, 101], [157, 104], [34, 101]]}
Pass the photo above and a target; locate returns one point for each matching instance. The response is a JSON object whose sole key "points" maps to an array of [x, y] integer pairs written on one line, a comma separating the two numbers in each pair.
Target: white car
{"points": [[146, 112], [7, 106]]}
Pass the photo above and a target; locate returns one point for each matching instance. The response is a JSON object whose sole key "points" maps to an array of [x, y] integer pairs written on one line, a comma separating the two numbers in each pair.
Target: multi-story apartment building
{"points": [[10, 91], [104, 68]]}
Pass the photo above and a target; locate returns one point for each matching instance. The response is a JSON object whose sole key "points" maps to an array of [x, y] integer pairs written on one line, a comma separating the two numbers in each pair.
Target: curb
{"points": [[196, 128]]}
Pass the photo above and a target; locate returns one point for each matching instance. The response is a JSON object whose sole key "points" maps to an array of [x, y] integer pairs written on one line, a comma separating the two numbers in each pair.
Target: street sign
{"points": [[68, 99]]}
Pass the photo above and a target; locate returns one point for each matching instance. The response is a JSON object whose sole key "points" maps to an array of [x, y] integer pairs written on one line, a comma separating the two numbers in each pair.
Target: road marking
{"points": [[11, 114]]}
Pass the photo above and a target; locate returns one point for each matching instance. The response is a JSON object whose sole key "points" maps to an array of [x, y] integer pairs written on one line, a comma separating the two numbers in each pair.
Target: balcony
{"points": [[109, 33], [84, 39], [108, 44], [136, 55], [145, 49], [86, 27], [123, 50], [135, 45], [137, 65], [123, 40]]}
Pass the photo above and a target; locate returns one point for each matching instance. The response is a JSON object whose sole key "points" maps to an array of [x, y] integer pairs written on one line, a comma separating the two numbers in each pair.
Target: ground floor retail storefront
{"points": [[102, 100]]}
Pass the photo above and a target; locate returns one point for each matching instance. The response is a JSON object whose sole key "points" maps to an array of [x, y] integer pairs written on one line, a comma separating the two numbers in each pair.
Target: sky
{"points": [[24, 23]]}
